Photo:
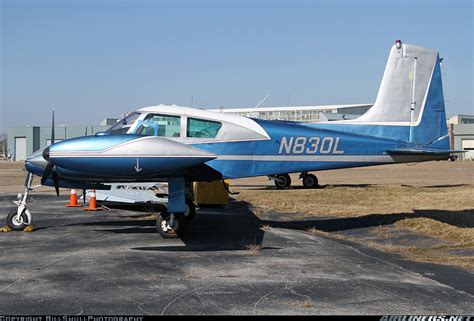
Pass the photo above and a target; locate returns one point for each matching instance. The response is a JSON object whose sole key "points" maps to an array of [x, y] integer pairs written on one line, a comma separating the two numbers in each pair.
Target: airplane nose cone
{"points": [[36, 163], [46, 154], [38, 159]]}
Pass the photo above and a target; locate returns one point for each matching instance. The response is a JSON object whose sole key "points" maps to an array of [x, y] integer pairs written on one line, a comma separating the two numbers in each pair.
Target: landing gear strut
{"points": [[174, 222], [19, 219]]}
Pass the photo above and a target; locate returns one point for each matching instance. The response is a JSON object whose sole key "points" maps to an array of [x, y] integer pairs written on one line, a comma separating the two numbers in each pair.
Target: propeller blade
{"points": [[56, 182], [47, 171]]}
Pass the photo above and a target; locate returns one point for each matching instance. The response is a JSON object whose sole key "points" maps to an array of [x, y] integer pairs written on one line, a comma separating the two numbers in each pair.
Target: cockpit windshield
{"points": [[159, 125], [123, 125]]}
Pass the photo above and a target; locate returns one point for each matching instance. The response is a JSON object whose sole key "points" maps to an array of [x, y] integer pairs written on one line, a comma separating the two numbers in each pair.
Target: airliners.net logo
{"points": [[426, 318]]}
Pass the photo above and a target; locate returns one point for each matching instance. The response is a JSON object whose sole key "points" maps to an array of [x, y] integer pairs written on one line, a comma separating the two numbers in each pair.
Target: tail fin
{"points": [[411, 98]]}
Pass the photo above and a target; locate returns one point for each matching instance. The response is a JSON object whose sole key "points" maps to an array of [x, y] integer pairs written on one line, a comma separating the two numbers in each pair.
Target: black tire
{"points": [[163, 228], [190, 210], [282, 181], [310, 181], [16, 225]]}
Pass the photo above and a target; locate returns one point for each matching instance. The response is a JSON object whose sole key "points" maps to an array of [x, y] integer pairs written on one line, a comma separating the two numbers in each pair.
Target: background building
{"points": [[300, 113], [24, 141], [461, 134], [3, 147]]}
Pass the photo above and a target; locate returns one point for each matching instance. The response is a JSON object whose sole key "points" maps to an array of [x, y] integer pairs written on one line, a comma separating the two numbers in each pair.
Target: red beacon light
{"points": [[398, 44]]}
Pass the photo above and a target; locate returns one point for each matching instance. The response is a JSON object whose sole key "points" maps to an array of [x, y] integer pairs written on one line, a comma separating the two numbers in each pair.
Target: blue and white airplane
{"points": [[407, 123]]}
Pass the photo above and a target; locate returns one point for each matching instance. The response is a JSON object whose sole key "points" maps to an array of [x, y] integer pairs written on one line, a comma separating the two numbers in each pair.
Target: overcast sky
{"points": [[93, 59]]}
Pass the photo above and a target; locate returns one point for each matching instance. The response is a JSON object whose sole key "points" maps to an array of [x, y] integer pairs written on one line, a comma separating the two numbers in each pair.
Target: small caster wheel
{"points": [[310, 181], [166, 230], [17, 223], [282, 181], [190, 210]]}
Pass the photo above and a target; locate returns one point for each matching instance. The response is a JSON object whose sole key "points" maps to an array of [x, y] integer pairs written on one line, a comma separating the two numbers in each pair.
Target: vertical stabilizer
{"points": [[410, 97]]}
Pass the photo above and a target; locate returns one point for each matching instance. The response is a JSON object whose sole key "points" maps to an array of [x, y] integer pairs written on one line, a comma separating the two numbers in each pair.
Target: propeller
{"points": [[49, 169]]}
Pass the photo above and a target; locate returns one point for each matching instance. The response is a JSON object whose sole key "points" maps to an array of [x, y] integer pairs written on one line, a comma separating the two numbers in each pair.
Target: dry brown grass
{"points": [[259, 210], [459, 238], [307, 303], [344, 201], [144, 217], [252, 249], [315, 232], [436, 254], [449, 238], [438, 229]]}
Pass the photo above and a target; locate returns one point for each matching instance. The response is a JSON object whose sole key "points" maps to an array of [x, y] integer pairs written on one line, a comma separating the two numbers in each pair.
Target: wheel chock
{"points": [[5, 229], [29, 228]]}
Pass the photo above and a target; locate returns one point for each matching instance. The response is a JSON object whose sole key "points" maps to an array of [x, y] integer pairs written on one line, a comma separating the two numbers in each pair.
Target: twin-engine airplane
{"points": [[407, 123]]}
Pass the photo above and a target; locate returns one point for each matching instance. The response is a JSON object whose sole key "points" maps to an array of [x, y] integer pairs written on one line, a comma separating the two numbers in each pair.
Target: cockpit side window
{"points": [[160, 125], [202, 128], [123, 125]]}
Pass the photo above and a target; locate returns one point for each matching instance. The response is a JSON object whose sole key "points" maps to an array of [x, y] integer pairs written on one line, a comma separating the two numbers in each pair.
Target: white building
{"points": [[301, 113], [461, 133]]}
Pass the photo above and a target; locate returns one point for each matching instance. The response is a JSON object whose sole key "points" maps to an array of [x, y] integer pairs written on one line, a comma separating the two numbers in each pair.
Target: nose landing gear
{"points": [[177, 224], [21, 218], [171, 225]]}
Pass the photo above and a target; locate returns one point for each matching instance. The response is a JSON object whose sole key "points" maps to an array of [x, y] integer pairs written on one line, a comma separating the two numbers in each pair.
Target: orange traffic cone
{"points": [[92, 202], [73, 199]]}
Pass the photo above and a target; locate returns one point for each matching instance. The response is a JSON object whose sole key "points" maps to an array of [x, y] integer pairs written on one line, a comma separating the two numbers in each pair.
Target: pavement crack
{"points": [[267, 295], [179, 298]]}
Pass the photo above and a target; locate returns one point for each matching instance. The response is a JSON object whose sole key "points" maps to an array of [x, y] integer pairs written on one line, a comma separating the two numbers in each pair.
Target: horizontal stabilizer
{"points": [[424, 151]]}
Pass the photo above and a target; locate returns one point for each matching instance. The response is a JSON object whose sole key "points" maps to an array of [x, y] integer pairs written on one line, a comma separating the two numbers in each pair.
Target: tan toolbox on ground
{"points": [[210, 193]]}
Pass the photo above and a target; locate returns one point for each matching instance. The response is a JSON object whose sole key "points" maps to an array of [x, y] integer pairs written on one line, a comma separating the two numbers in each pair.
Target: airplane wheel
{"points": [[15, 223], [310, 181], [282, 181], [165, 230], [190, 210]]}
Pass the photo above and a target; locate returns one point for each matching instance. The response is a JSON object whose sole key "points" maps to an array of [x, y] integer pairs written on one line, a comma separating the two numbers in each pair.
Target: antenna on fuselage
{"points": [[252, 111], [52, 129], [262, 101]]}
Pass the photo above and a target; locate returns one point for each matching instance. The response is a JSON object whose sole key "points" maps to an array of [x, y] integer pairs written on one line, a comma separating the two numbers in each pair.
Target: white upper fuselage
{"points": [[234, 128]]}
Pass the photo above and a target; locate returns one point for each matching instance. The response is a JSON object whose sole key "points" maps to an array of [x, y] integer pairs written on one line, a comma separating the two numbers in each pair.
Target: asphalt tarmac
{"points": [[114, 262]]}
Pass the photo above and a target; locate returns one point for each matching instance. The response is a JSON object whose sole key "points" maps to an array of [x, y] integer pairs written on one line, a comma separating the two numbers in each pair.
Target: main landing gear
{"points": [[284, 180], [281, 180], [175, 220], [309, 180], [18, 219]]}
